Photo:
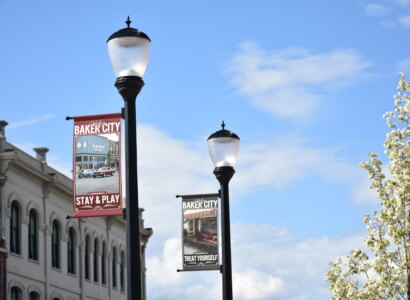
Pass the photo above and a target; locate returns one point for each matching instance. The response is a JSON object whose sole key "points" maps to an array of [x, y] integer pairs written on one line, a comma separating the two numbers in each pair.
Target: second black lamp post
{"points": [[223, 148], [128, 49]]}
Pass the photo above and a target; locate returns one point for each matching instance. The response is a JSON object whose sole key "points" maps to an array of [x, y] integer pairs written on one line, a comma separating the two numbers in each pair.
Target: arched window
{"points": [[71, 251], [87, 257], [15, 229], [114, 267], [55, 245], [16, 293], [33, 236], [122, 275], [103, 260], [95, 264], [34, 296]]}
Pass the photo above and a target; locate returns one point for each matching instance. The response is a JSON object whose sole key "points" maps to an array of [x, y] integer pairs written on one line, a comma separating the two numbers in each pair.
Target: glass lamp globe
{"points": [[128, 50], [223, 146]]}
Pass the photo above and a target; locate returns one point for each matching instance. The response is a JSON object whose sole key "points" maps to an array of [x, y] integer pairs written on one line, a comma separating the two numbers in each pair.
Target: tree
{"points": [[385, 273]]}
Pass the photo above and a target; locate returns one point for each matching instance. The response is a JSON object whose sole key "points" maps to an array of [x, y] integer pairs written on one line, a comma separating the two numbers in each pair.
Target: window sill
{"points": [[72, 275], [56, 269], [34, 261], [16, 254]]}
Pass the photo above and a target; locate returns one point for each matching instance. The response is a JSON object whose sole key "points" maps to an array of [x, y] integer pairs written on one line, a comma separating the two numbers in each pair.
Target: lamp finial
{"points": [[223, 125], [128, 22]]}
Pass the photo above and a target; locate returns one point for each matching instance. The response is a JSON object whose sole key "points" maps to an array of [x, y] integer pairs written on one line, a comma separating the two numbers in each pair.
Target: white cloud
{"points": [[292, 82], [286, 266], [31, 121], [286, 160], [390, 17], [405, 20], [64, 167], [170, 167], [301, 263], [268, 263], [165, 283], [377, 10], [388, 24], [362, 194], [401, 2], [255, 285], [403, 66]]}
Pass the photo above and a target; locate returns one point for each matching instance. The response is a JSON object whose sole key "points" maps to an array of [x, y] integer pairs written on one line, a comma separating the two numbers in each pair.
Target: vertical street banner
{"points": [[200, 232], [96, 165]]}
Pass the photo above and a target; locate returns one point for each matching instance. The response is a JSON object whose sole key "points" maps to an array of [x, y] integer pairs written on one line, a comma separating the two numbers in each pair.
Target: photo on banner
{"points": [[97, 165], [200, 232]]}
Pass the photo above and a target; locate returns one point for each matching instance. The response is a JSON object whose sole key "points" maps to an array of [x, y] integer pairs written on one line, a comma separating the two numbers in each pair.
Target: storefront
{"points": [[92, 152]]}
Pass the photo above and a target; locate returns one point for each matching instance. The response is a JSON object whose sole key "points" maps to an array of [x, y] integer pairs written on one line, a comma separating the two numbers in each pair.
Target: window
{"points": [[122, 275], [114, 267], [33, 236], [96, 252], [55, 245], [16, 293], [71, 251], [15, 229], [34, 296], [87, 257], [103, 259]]}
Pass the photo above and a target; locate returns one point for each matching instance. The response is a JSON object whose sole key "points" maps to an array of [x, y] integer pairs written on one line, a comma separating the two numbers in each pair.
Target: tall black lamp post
{"points": [[223, 148], [128, 49]]}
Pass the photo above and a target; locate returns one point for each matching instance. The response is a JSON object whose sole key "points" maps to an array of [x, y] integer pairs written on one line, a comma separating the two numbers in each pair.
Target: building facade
{"points": [[43, 254]]}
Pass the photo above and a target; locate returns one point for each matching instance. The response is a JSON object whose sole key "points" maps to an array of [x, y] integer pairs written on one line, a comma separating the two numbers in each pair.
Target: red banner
{"points": [[97, 165]]}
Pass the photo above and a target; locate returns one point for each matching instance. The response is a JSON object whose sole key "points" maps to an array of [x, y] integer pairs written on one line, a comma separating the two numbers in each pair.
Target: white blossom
{"points": [[385, 272]]}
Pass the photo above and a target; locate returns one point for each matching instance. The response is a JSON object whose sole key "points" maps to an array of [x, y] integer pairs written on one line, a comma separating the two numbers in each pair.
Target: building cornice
{"points": [[13, 157]]}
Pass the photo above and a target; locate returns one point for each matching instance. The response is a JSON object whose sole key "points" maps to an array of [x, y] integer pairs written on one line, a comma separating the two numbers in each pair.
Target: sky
{"points": [[304, 84]]}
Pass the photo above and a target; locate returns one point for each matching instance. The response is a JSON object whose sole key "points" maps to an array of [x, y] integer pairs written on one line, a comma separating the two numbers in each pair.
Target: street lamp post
{"points": [[223, 148], [128, 50]]}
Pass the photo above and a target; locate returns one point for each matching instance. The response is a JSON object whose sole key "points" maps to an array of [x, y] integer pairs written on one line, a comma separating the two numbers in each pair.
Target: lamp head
{"points": [[223, 146], [128, 49]]}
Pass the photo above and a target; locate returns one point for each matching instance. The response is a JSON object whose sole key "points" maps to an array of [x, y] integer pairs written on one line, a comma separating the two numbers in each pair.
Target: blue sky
{"points": [[303, 83]]}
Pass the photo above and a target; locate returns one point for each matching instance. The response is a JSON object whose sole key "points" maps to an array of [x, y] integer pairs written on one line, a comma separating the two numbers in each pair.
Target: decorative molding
{"points": [[33, 205], [72, 224], [47, 189], [16, 283], [64, 237], [48, 230], [13, 196], [81, 245], [7, 159], [55, 216], [25, 220], [33, 288], [55, 294], [108, 222], [3, 179]]}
